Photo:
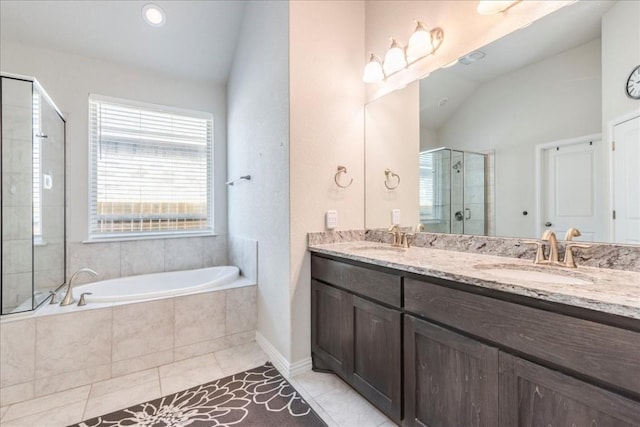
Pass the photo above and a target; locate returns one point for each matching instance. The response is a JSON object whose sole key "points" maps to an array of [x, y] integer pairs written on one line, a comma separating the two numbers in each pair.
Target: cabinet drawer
{"points": [[606, 353], [376, 285]]}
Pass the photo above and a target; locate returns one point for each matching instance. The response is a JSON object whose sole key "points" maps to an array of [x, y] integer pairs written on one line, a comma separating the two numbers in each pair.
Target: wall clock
{"points": [[633, 84]]}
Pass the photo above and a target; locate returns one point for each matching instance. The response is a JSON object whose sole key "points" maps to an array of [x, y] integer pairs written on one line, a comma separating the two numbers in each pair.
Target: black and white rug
{"points": [[259, 397]]}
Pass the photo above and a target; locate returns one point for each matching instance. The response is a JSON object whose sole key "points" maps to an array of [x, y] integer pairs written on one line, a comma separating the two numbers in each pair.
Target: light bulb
{"points": [[153, 15], [420, 42], [373, 70], [394, 59]]}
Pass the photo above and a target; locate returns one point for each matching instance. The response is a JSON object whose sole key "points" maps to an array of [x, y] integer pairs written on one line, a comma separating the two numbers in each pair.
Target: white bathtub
{"points": [[160, 285]]}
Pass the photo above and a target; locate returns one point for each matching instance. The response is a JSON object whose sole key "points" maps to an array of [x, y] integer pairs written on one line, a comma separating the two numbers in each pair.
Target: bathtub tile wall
{"points": [[17, 353], [199, 318], [183, 254], [72, 349], [127, 258], [142, 328], [241, 309], [141, 257], [64, 351], [244, 253]]}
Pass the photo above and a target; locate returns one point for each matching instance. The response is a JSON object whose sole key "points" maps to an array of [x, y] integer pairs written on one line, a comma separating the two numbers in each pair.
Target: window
{"points": [[151, 169], [37, 167]]}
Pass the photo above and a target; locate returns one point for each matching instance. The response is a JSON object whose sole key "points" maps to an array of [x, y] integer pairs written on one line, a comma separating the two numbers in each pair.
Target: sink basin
{"points": [[537, 274], [379, 248]]}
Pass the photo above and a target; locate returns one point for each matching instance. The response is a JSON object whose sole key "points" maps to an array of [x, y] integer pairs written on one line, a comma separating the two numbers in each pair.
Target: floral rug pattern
{"points": [[257, 397]]}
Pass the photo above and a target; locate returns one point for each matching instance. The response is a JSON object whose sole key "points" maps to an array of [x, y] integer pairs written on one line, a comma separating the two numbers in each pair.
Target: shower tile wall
{"points": [[16, 192], [127, 258]]}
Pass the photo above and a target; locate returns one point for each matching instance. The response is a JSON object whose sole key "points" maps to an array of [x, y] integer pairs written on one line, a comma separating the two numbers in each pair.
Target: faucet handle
{"points": [[54, 297], [568, 253], [540, 257], [82, 299]]}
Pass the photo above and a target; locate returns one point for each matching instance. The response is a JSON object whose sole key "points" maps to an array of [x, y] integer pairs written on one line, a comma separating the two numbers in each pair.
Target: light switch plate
{"points": [[331, 219], [395, 216]]}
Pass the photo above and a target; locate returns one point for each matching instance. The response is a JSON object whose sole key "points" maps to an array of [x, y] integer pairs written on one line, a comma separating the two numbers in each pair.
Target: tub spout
{"points": [[68, 298]]}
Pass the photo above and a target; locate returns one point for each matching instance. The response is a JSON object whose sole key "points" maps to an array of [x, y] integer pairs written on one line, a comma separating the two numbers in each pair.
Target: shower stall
{"points": [[32, 149], [452, 191]]}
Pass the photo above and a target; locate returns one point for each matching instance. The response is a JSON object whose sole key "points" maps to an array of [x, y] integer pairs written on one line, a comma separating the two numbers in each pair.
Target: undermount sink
{"points": [[378, 248], [537, 274]]}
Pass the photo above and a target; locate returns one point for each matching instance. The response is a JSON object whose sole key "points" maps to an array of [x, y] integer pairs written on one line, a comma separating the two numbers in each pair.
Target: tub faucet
{"points": [[68, 298]]}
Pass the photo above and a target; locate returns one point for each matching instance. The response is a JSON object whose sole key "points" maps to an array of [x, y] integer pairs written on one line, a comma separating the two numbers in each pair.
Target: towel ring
{"points": [[336, 178], [387, 175]]}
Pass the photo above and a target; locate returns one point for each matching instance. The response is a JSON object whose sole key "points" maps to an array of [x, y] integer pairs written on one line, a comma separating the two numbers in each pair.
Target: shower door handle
{"points": [[468, 213]]}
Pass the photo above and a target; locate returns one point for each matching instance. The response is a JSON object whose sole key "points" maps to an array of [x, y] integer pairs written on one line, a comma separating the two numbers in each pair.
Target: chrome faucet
{"points": [[68, 298]]}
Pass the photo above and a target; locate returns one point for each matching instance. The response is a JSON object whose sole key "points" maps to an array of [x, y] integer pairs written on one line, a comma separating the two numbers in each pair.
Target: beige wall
{"points": [[327, 103], [392, 131]]}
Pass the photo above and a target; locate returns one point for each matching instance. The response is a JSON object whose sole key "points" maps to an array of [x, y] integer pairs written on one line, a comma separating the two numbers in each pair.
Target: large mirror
{"points": [[514, 138]]}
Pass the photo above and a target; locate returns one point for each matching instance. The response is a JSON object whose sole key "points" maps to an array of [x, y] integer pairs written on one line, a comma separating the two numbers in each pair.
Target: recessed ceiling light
{"points": [[153, 15]]}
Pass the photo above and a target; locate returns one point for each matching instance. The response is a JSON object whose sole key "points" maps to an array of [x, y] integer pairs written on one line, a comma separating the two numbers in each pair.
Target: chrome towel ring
{"points": [[336, 178], [388, 177]]}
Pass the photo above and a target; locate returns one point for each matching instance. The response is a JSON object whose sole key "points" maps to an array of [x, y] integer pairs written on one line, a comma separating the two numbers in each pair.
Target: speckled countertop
{"points": [[610, 291]]}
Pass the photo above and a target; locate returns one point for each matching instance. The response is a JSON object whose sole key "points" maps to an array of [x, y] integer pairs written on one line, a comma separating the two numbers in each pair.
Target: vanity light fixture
{"points": [[373, 72], [153, 15], [395, 58], [423, 42], [491, 7]]}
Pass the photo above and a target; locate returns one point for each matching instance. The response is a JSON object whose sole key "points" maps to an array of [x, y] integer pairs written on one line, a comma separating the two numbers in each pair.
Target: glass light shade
{"points": [[373, 70], [491, 7], [420, 42], [394, 59]]}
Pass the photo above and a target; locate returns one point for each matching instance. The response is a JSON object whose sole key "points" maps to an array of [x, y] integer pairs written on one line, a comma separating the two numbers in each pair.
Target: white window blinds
{"points": [[151, 169]]}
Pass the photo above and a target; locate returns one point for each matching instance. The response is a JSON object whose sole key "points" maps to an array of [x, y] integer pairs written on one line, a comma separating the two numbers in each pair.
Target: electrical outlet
{"points": [[395, 216], [332, 219]]}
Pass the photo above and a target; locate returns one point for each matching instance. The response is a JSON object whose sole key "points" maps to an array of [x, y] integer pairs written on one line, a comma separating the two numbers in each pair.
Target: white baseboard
{"points": [[280, 362]]}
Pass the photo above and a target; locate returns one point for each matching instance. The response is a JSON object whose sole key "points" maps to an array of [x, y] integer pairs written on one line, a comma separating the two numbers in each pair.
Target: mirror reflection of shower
{"points": [[453, 191]]}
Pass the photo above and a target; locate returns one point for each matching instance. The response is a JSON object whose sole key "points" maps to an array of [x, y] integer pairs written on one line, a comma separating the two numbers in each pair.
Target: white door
{"points": [[626, 182], [571, 191]]}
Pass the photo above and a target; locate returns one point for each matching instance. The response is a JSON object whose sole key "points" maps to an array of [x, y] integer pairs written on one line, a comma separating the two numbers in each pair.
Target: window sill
{"points": [[159, 236]]}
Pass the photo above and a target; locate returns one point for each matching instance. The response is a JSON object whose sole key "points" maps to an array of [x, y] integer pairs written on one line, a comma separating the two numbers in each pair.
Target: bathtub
{"points": [[160, 285]]}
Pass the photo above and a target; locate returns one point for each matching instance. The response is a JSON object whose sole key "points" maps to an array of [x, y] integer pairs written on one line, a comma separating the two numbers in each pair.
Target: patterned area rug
{"points": [[259, 397]]}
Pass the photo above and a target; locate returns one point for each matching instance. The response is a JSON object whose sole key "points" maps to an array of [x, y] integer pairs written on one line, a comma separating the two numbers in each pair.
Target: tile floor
{"points": [[330, 397]]}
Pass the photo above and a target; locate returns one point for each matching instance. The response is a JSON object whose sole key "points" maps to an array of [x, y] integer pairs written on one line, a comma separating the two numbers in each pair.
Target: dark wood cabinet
{"points": [[329, 330], [532, 395], [450, 380], [359, 339], [430, 352], [375, 369]]}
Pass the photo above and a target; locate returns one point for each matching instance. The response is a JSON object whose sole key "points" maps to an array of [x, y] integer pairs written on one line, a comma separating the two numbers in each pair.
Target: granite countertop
{"points": [[610, 291]]}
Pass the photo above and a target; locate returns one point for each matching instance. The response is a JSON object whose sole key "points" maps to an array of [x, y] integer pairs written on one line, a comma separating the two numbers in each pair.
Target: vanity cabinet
{"points": [[358, 336], [450, 380], [467, 356]]}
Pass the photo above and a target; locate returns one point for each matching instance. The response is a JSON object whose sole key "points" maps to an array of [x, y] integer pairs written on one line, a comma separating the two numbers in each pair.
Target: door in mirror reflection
{"points": [[626, 180]]}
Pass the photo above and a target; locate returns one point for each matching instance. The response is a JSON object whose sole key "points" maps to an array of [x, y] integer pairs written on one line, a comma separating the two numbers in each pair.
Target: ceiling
{"points": [[569, 27], [197, 42]]}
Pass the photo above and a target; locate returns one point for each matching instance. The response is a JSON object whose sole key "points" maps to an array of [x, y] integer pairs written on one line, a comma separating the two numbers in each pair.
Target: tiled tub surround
{"points": [[44, 353], [610, 291], [600, 255]]}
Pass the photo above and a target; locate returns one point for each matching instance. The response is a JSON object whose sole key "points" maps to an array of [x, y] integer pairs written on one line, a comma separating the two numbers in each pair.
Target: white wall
{"points": [[327, 130], [69, 79], [554, 99], [258, 111]]}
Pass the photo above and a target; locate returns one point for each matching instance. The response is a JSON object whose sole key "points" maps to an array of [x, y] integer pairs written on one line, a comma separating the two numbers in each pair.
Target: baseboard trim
{"points": [[280, 362]]}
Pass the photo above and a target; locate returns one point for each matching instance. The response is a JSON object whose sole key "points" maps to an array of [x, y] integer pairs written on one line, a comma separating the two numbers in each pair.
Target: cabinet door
{"points": [[532, 395], [328, 327], [450, 380], [375, 369]]}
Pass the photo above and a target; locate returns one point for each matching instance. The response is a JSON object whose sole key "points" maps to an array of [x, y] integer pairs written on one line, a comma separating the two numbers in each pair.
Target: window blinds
{"points": [[151, 169]]}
